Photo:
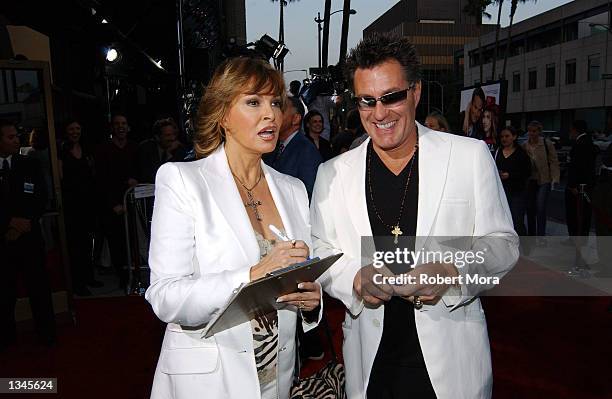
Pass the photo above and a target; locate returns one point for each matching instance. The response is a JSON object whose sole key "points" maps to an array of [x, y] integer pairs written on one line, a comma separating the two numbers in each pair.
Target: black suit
{"points": [[23, 195], [150, 158], [581, 170]]}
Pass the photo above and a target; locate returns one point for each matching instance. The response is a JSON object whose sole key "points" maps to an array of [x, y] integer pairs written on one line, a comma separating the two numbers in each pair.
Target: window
{"points": [[533, 79], [550, 75], [516, 82], [594, 72], [570, 72]]}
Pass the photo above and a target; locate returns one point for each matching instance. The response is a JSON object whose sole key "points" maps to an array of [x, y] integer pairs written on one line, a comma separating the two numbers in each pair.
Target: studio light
{"points": [[112, 55], [270, 48]]}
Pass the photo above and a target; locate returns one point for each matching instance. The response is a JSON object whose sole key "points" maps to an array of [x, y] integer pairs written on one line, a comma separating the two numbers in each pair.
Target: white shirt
{"points": [[9, 159]]}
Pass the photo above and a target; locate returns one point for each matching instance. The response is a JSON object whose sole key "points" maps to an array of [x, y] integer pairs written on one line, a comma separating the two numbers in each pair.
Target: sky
{"points": [[301, 30]]}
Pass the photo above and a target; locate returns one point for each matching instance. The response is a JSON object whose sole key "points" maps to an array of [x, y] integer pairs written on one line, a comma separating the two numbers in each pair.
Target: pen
{"points": [[279, 234]]}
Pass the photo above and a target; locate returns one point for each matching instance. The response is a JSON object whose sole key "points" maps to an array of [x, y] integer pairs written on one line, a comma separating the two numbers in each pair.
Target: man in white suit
{"points": [[412, 340]]}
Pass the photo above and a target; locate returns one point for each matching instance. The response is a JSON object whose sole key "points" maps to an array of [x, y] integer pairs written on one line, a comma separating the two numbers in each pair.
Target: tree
{"points": [[477, 9], [500, 4], [513, 6]]}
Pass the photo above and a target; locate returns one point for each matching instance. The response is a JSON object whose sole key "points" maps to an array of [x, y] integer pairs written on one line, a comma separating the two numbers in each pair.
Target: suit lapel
{"points": [[352, 179], [434, 154], [222, 188]]}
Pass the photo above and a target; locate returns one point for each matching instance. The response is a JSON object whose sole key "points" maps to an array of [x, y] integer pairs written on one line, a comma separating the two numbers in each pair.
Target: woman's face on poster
{"points": [[486, 121]]}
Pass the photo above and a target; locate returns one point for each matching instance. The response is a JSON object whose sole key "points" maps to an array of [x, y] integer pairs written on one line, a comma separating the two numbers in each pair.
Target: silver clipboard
{"points": [[259, 297]]}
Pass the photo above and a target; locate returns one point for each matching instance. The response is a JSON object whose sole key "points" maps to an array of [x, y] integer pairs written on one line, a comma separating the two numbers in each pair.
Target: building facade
{"points": [[557, 66]]}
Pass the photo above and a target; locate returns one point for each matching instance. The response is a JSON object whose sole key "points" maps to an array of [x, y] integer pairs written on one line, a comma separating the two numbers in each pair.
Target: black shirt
{"points": [[400, 343], [518, 167]]}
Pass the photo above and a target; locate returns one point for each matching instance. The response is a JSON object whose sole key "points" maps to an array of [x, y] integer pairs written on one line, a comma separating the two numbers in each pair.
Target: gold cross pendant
{"points": [[396, 232], [253, 204]]}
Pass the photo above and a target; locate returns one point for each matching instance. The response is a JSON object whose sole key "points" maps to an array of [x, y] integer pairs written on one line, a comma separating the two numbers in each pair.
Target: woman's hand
{"points": [[283, 254], [306, 300]]}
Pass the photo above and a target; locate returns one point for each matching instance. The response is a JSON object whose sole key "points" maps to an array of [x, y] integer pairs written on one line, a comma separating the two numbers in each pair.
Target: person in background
{"points": [[78, 188], [163, 147], [294, 88], [602, 210], [39, 150], [295, 155], [116, 170], [437, 121], [210, 235], [313, 127], [353, 129], [580, 172], [544, 173], [514, 168], [22, 250]]}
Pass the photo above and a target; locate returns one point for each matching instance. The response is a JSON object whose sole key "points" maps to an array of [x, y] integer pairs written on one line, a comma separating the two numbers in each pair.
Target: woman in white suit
{"points": [[210, 234]]}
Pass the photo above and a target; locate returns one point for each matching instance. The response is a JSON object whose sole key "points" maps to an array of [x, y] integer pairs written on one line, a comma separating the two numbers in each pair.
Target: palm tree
{"points": [[513, 6], [476, 9], [500, 4]]}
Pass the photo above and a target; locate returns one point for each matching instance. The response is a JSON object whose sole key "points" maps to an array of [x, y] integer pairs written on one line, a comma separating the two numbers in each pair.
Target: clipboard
{"points": [[258, 297]]}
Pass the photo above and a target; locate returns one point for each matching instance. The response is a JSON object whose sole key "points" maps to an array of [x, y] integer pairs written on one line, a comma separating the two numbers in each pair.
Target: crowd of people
{"points": [[93, 183]]}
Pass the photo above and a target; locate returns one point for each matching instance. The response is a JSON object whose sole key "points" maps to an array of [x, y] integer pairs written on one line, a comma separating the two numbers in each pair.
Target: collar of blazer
{"points": [[217, 175], [434, 155]]}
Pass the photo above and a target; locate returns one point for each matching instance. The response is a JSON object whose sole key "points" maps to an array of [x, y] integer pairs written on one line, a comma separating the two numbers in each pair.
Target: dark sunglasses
{"points": [[387, 100]]}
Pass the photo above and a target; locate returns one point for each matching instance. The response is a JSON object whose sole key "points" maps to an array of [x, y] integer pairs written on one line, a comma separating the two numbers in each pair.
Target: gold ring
{"points": [[302, 306], [293, 242]]}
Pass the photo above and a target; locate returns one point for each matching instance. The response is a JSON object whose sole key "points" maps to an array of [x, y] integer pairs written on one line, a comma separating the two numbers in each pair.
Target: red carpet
{"points": [[542, 348]]}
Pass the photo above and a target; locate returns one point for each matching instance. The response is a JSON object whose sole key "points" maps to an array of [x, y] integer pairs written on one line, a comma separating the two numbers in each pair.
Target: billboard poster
{"points": [[482, 108]]}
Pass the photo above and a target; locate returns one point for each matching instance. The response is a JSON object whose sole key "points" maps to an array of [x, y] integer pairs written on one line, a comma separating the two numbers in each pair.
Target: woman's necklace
{"points": [[395, 229], [251, 201]]}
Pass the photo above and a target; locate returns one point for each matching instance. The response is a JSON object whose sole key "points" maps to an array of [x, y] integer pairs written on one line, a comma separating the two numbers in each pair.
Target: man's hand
{"points": [[22, 225], [428, 293], [132, 182], [372, 293]]}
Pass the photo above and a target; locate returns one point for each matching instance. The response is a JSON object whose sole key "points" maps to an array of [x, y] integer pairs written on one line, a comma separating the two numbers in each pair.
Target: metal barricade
{"points": [[138, 205]]}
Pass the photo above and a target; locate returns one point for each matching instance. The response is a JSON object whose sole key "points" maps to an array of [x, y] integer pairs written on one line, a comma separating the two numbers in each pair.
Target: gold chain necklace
{"points": [[395, 229], [251, 201]]}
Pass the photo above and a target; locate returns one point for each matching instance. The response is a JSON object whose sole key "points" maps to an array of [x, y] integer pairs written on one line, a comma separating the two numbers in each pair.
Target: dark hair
{"points": [[162, 123], [580, 125], [117, 114], [353, 120], [309, 116], [511, 129], [294, 87], [297, 106], [380, 47], [6, 123], [480, 93]]}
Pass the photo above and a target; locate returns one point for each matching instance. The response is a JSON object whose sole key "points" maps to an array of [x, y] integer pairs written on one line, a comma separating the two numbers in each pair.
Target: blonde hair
{"points": [[232, 78]]}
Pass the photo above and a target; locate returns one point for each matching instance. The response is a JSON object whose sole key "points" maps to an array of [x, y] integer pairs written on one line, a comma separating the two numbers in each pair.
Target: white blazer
{"points": [[460, 194], [202, 248]]}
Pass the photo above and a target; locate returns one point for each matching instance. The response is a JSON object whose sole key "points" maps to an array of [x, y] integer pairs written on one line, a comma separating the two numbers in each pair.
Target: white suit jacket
{"points": [[202, 248], [460, 194]]}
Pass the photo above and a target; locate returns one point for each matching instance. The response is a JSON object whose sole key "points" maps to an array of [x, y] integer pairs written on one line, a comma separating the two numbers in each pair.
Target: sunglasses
{"points": [[387, 100]]}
